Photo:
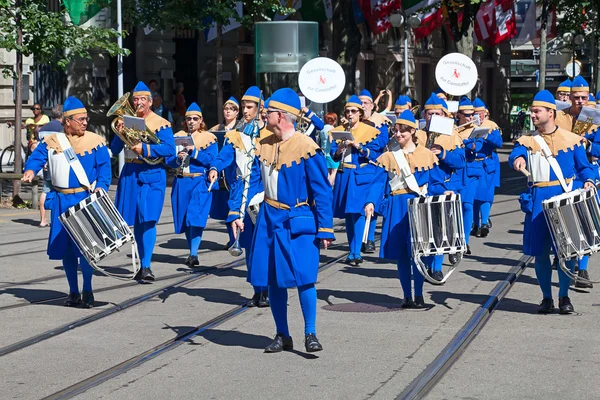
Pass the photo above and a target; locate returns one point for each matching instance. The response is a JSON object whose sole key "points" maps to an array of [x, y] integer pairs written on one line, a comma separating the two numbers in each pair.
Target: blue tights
{"points": [[467, 219], [355, 227], [434, 262], [257, 289], [583, 263], [481, 209], [308, 302], [193, 235], [69, 263], [145, 237], [404, 271], [543, 272]]}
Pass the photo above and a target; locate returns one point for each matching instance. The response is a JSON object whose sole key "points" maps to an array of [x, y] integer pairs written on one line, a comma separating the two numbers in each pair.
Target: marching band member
{"points": [[473, 170], [381, 122], [403, 103], [285, 247], [234, 158], [568, 151], [142, 186], [190, 198], [563, 92], [219, 209], [486, 153], [580, 91], [91, 155], [355, 173], [451, 154], [397, 187]]}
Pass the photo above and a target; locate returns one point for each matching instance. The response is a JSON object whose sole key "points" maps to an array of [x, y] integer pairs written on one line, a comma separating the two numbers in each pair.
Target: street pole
{"points": [[405, 57], [18, 101], [120, 71], [543, 45]]}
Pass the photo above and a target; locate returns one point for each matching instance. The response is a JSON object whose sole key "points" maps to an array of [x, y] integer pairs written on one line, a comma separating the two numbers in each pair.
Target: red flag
{"points": [[377, 13], [495, 22], [430, 21]]}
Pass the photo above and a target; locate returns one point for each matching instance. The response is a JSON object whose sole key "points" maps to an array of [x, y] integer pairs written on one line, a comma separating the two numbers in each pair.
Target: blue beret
{"points": [[544, 99], [433, 103], [233, 100], [73, 106], [407, 118], [253, 94], [286, 99], [564, 86], [580, 84], [141, 89], [465, 104], [365, 93], [193, 109]]}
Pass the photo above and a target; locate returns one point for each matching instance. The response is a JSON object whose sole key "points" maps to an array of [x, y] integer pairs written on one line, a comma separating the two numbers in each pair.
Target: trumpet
{"points": [[582, 127], [131, 137]]}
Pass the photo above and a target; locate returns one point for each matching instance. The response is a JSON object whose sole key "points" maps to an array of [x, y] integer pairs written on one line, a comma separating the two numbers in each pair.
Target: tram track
{"points": [[133, 362], [419, 387]]}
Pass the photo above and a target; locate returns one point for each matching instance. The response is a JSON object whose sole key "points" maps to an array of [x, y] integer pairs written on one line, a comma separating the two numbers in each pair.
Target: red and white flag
{"points": [[495, 22], [377, 13]]}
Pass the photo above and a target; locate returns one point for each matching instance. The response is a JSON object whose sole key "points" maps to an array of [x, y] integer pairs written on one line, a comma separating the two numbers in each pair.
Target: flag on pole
{"points": [[529, 25], [495, 22], [81, 11], [377, 13], [430, 13]]}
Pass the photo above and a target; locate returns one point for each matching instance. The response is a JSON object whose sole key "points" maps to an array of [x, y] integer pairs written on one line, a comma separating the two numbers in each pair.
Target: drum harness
{"points": [[553, 163]]}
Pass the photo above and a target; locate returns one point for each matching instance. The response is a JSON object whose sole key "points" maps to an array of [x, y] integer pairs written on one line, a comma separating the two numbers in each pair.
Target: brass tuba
{"points": [[131, 137], [582, 127]]}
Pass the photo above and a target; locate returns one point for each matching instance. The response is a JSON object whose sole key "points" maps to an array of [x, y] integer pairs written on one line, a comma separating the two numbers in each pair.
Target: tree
{"points": [[185, 14], [461, 17], [581, 17], [29, 29]]}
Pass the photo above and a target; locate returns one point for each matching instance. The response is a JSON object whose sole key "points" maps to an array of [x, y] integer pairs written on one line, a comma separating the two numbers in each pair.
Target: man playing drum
{"points": [[142, 186], [88, 150], [573, 168]]}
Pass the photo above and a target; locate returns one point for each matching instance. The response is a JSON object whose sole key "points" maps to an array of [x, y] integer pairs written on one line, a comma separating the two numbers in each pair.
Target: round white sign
{"points": [[321, 80], [456, 74], [569, 69]]}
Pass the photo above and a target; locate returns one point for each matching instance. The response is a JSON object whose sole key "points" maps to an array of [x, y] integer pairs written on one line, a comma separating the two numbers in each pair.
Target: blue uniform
{"points": [[295, 215], [393, 192], [190, 198], [141, 189], [568, 151], [95, 160], [349, 189]]}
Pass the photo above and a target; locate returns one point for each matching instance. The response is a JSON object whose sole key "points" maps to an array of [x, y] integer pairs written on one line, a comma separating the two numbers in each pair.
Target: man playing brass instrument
{"points": [[567, 119], [142, 186]]}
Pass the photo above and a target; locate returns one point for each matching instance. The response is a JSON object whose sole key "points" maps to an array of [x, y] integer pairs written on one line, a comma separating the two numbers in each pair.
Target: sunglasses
{"points": [[351, 111], [272, 111], [192, 119], [35, 108], [467, 115]]}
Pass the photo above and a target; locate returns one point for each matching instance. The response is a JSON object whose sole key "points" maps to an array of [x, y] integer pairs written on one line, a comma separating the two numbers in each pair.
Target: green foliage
{"points": [[577, 16], [186, 14], [48, 36]]}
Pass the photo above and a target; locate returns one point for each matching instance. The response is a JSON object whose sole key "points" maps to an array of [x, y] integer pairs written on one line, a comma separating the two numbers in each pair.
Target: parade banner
{"points": [[321, 80], [495, 22], [430, 13], [377, 13], [456, 74]]}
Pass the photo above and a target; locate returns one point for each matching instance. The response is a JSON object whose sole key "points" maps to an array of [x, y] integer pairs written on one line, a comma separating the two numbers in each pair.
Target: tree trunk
{"points": [[465, 46], [543, 47], [18, 102], [501, 85], [345, 40], [219, 79]]}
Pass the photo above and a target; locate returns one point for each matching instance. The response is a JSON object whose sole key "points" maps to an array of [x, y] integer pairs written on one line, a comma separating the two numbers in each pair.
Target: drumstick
{"points": [[524, 172], [366, 231], [211, 185]]}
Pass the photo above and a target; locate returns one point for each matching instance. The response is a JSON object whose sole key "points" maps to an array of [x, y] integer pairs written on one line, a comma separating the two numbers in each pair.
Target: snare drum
{"points": [[98, 230], [574, 223], [436, 228]]}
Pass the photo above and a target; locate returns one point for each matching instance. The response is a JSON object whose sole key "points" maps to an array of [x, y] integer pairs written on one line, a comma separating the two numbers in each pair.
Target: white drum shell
{"points": [[436, 225], [574, 223], [96, 227]]}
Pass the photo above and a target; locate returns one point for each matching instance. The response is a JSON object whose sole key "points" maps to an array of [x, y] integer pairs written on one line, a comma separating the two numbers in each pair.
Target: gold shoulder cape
{"points": [[449, 142], [464, 132], [155, 122], [560, 140], [273, 151], [421, 137], [235, 137], [421, 159], [379, 120], [80, 144], [363, 133]]}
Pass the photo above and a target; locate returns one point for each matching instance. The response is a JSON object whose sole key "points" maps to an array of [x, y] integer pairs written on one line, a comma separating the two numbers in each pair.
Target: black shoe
{"points": [[420, 302], [490, 223], [408, 303], [475, 232], [350, 260], [192, 262], [227, 246], [369, 247], [485, 230], [263, 299], [280, 343], [438, 276], [253, 302], [358, 260], [468, 250], [546, 306], [453, 259], [73, 300], [565, 306], [584, 285], [147, 275], [188, 261], [88, 300], [312, 343]]}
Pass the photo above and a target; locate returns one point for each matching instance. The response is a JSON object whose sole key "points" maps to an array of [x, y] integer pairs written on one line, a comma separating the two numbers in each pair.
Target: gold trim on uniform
{"points": [[201, 139], [155, 122], [560, 140], [80, 144], [363, 133], [421, 159], [273, 152]]}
